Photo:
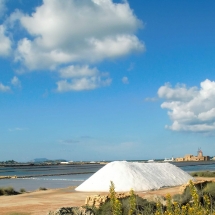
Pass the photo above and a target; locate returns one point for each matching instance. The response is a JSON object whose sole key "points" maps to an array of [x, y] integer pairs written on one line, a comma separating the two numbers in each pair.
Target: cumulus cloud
{"points": [[5, 42], [15, 82], [13, 19], [77, 31], [78, 71], [4, 88], [125, 80], [190, 109], [79, 78]]}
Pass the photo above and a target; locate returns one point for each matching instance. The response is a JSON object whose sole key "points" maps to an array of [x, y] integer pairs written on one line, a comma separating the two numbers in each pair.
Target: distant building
{"points": [[63, 162], [199, 157]]}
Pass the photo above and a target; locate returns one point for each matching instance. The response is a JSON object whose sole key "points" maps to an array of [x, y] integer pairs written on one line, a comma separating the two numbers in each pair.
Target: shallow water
{"points": [[48, 182], [199, 168], [60, 176]]}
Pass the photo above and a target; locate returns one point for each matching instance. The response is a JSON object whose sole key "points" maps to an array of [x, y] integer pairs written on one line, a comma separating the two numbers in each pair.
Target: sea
{"points": [[61, 176]]}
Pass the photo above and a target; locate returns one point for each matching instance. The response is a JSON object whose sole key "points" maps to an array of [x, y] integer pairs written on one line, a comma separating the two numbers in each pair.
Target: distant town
{"points": [[199, 157]]}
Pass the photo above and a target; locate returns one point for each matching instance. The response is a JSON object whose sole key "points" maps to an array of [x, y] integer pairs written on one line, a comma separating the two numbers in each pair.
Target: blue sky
{"points": [[106, 80]]}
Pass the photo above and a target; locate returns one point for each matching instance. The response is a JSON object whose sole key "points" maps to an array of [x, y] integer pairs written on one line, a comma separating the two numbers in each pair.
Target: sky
{"points": [[106, 79]]}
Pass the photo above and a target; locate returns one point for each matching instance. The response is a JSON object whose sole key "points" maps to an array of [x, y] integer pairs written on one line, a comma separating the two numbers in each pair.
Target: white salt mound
{"points": [[136, 176]]}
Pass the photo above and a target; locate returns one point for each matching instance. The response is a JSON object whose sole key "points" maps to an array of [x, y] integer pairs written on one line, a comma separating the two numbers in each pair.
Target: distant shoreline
{"points": [[43, 175], [176, 163], [47, 165], [192, 163]]}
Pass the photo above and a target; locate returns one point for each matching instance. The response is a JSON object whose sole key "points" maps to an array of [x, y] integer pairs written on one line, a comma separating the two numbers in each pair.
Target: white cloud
{"points": [[13, 19], [5, 42], [17, 129], [4, 88], [78, 71], [2, 8], [83, 31], [125, 80], [151, 99], [180, 92], [15, 82], [81, 78], [190, 109]]}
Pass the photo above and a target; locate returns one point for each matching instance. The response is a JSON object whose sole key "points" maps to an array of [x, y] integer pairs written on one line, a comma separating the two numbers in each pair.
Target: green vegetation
{"points": [[7, 191], [43, 188], [194, 201], [22, 190], [203, 174], [142, 207], [183, 198], [116, 205], [132, 202], [8, 162], [209, 189]]}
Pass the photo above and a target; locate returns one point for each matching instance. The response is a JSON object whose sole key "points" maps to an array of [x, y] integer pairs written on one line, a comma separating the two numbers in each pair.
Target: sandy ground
{"points": [[41, 202]]}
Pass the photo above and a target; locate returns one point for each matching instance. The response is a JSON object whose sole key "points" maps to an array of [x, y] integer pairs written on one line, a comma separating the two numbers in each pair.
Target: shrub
{"points": [[142, 207], [22, 190], [42, 188], [105, 209], [1, 191], [184, 198], [197, 206], [191, 202], [116, 205], [9, 191], [210, 189], [198, 203], [203, 174], [132, 203]]}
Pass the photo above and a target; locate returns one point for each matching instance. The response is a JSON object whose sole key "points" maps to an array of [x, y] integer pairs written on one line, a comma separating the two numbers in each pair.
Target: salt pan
{"points": [[136, 176]]}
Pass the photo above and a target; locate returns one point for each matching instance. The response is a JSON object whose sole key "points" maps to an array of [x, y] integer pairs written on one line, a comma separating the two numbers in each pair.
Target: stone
{"points": [[72, 211]]}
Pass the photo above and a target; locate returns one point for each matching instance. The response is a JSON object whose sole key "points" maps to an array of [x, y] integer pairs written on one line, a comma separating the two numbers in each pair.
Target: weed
{"points": [[203, 174], [8, 191], [22, 190], [42, 188], [116, 205], [210, 190]]}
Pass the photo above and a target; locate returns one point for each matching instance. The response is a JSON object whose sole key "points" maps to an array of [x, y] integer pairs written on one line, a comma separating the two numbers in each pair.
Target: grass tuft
{"points": [[22, 190], [203, 174], [43, 188], [7, 191]]}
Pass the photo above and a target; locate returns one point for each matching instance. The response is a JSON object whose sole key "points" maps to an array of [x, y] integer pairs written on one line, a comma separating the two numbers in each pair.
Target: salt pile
{"points": [[138, 176]]}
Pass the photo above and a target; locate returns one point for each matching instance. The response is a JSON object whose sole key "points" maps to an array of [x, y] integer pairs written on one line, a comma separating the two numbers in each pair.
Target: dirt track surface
{"points": [[41, 202]]}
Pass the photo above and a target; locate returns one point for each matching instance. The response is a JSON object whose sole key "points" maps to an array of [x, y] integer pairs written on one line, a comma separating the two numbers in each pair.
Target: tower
{"points": [[200, 153]]}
